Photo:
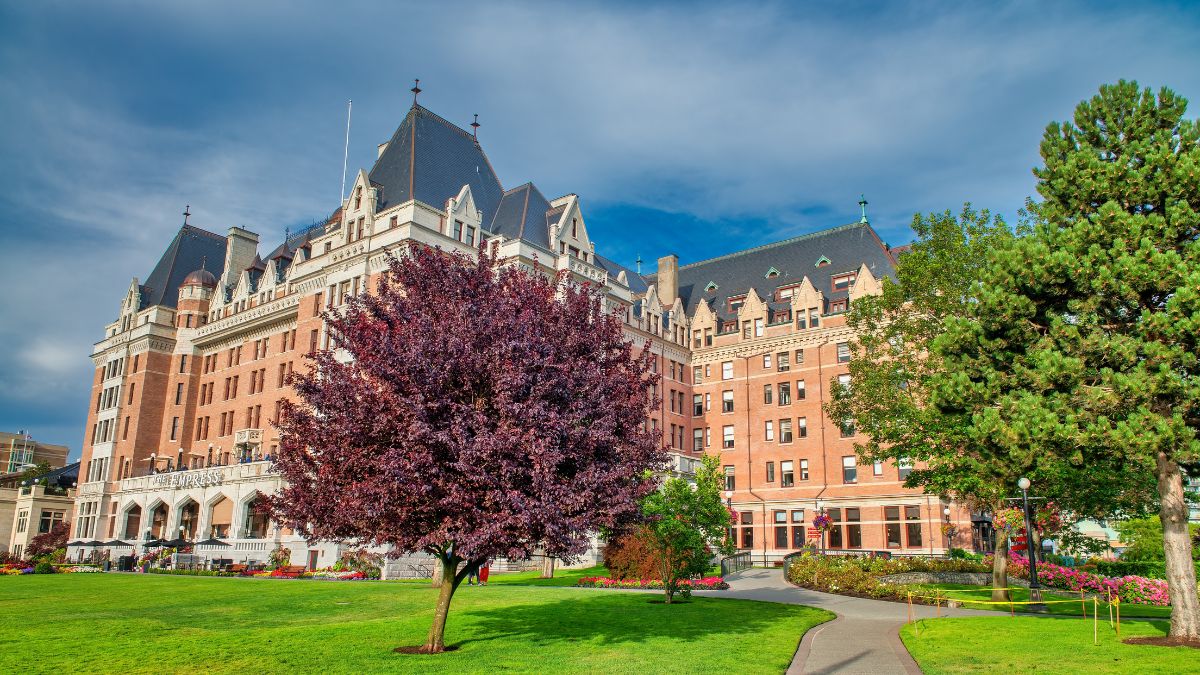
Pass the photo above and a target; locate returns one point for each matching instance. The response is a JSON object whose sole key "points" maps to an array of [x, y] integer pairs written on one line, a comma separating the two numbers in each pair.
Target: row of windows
{"points": [[233, 355], [227, 420], [845, 531], [49, 518], [787, 468]]}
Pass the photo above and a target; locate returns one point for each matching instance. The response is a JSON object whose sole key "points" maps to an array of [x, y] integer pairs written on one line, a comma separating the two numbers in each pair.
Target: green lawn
{"points": [[1069, 608], [1026, 644], [162, 624], [562, 577]]}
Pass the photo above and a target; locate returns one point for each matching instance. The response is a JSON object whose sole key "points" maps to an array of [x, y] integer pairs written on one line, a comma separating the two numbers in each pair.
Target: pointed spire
{"points": [[862, 203], [203, 261], [416, 89], [187, 211], [639, 264], [475, 127]]}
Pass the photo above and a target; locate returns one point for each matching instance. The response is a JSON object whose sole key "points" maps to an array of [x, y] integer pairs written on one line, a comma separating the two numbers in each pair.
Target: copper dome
{"points": [[200, 278]]}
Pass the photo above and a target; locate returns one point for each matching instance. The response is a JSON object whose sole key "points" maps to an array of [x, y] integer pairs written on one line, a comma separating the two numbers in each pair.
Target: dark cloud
{"points": [[697, 129]]}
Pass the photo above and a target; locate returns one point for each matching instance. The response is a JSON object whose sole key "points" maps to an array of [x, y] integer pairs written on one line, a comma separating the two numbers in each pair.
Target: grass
{"points": [[1026, 644], [163, 624], [562, 577], [1070, 608]]}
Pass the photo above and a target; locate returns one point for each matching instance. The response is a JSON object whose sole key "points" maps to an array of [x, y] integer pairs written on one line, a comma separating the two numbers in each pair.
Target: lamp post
{"points": [[732, 525], [1035, 589], [821, 530]]}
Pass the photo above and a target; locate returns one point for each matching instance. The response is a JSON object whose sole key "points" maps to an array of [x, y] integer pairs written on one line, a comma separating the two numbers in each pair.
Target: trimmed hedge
{"points": [[192, 573], [1153, 569]]}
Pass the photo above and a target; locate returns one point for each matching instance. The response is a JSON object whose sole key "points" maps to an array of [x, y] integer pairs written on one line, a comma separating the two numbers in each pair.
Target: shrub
{"points": [[47, 542], [686, 585], [632, 556], [43, 567]]}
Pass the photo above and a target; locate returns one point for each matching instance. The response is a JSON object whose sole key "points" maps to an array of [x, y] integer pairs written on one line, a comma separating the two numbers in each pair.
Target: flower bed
{"points": [[335, 575], [16, 568], [705, 584], [1130, 589]]}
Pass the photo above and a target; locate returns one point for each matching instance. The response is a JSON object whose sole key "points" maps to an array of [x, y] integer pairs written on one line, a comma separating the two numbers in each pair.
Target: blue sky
{"points": [[692, 128]]}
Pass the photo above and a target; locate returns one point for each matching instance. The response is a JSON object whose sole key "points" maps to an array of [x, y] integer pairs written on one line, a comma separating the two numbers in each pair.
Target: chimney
{"points": [[668, 279], [240, 247]]}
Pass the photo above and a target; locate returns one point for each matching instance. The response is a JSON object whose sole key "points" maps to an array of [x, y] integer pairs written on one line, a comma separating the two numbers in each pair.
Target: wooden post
{"points": [[1110, 616], [1118, 604], [1082, 604], [1095, 622], [910, 610]]}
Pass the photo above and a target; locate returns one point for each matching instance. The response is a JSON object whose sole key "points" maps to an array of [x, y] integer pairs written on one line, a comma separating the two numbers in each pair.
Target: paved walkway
{"points": [[863, 639]]}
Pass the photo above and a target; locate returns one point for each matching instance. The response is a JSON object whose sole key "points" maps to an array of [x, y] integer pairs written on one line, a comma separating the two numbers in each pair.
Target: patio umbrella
{"points": [[178, 542], [116, 542], [213, 542], [77, 542], [92, 544], [154, 543]]}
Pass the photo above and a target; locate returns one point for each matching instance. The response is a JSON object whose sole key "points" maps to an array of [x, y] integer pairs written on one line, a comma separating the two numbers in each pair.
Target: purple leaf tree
{"points": [[485, 411]]}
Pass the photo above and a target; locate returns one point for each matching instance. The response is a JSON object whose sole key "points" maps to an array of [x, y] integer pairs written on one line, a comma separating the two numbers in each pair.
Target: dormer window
{"points": [[822, 261], [785, 293], [771, 273], [710, 287], [842, 282], [734, 303]]}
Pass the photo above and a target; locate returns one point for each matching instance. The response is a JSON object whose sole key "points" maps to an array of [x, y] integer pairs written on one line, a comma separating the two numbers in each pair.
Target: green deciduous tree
{"points": [[1083, 345], [686, 522]]}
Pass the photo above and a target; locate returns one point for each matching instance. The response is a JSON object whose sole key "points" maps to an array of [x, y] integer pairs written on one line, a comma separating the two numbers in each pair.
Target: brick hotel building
{"points": [[190, 375]]}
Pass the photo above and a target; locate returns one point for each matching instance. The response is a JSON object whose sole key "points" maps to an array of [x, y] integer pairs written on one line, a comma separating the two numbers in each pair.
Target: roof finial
{"points": [[187, 211], [862, 203], [416, 90], [203, 261], [639, 264], [475, 127]]}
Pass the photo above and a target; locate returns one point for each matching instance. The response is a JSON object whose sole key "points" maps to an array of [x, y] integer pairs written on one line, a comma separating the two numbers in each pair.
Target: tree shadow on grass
{"points": [[620, 618]]}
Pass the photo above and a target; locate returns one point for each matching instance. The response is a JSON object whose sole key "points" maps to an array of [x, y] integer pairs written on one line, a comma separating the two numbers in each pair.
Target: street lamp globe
{"points": [[1023, 483]]}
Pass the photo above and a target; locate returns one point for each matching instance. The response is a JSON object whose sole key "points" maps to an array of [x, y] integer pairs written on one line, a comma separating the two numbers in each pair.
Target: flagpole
{"points": [[346, 151]]}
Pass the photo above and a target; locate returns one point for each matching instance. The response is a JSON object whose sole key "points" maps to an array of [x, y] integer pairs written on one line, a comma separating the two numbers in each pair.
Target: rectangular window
{"points": [[727, 401], [770, 472], [843, 352], [814, 318], [801, 320], [179, 393], [797, 536], [769, 430], [912, 526], [785, 431], [798, 515], [786, 475], [758, 328], [697, 440], [844, 381], [801, 391], [847, 428], [877, 469], [697, 405], [802, 427], [768, 389], [22, 521], [891, 528], [782, 360], [781, 536], [471, 235], [853, 529], [696, 377], [766, 360], [174, 428], [804, 469], [905, 467], [799, 357], [727, 370], [730, 482], [746, 329], [785, 393], [747, 537], [458, 230], [849, 469], [727, 436]]}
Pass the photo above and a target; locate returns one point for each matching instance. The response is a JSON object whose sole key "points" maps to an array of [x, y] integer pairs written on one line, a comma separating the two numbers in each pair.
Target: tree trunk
{"points": [[1177, 545], [435, 643], [666, 579], [548, 567], [1000, 568]]}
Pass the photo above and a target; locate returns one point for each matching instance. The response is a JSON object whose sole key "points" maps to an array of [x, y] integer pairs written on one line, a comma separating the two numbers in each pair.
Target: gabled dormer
{"points": [[130, 305], [568, 233], [864, 284], [704, 325], [752, 315], [358, 212], [808, 303], [463, 218]]}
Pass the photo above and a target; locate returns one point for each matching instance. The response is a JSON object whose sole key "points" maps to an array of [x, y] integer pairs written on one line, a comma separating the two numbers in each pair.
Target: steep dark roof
{"points": [[430, 159], [522, 215], [846, 248], [188, 251], [636, 283]]}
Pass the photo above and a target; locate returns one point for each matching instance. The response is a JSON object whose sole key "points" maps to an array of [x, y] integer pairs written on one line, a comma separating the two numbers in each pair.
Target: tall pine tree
{"points": [[1083, 344]]}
